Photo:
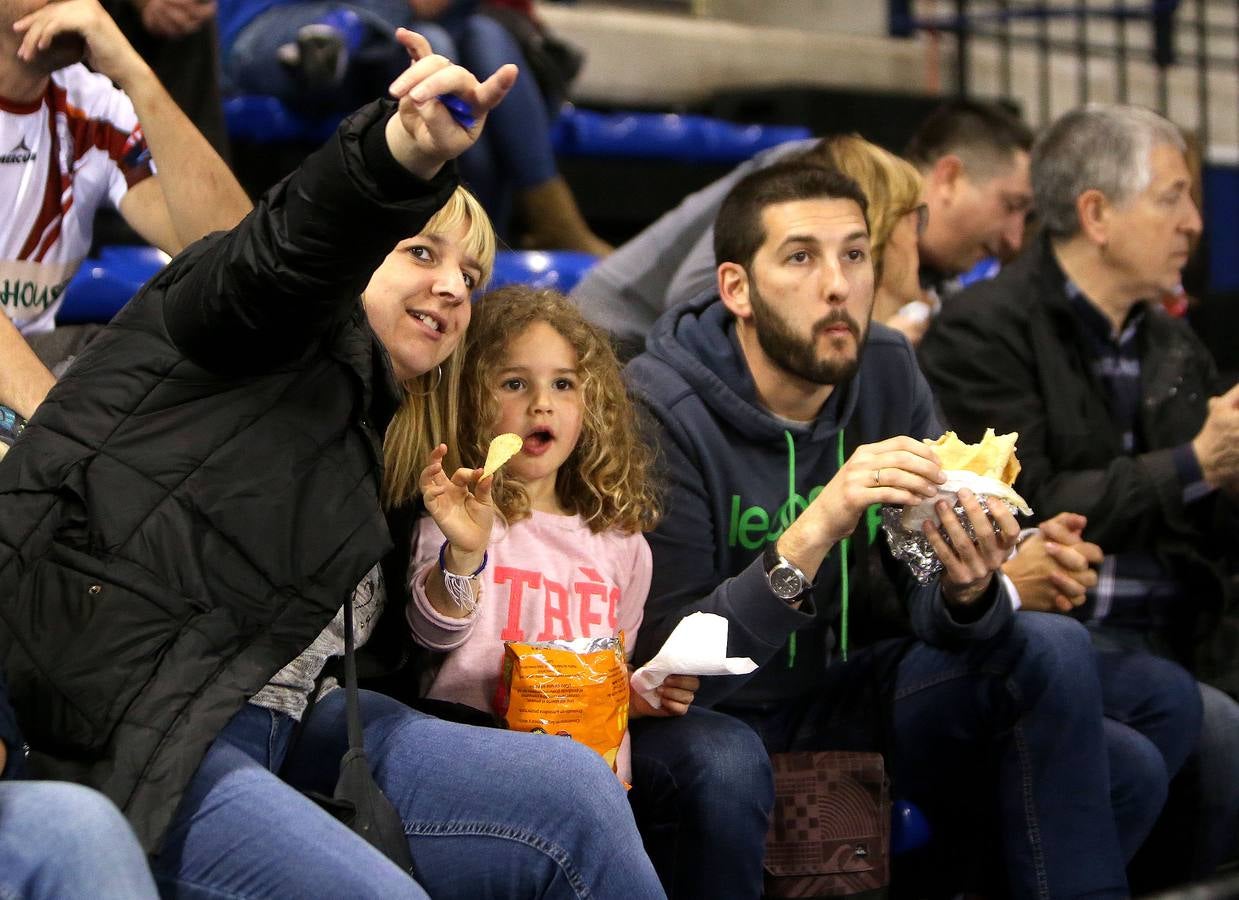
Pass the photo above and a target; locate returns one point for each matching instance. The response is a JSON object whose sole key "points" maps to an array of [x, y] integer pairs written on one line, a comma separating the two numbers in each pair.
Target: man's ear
{"points": [[1093, 211], [733, 289], [945, 174]]}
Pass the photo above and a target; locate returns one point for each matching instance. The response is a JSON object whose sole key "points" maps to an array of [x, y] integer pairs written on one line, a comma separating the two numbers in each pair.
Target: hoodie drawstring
{"points": [[844, 546], [791, 492]]}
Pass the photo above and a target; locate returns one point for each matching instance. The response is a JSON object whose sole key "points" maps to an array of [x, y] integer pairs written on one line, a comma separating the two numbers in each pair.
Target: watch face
{"points": [[785, 582]]}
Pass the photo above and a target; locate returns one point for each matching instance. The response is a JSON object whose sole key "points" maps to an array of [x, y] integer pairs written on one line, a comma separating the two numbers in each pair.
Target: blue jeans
{"points": [[702, 792], [1153, 716], [1205, 800], [250, 64], [1010, 727], [514, 152], [62, 842], [487, 813]]}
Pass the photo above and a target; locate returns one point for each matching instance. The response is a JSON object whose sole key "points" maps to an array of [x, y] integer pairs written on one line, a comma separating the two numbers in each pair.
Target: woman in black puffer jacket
{"points": [[189, 509]]}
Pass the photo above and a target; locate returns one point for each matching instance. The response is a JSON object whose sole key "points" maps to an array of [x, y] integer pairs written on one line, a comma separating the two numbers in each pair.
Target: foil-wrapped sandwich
{"points": [[988, 469]]}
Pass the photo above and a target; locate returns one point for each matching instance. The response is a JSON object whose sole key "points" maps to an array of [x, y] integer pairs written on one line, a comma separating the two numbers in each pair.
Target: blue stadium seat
{"points": [[103, 284], [558, 269], [576, 132], [266, 120], [682, 138]]}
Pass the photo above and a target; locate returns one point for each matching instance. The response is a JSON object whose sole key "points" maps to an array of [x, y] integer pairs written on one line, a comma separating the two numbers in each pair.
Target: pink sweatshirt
{"points": [[548, 578]]}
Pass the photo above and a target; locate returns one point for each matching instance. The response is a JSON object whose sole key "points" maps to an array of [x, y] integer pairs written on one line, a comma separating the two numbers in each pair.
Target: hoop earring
{"points": [[434, 387]]}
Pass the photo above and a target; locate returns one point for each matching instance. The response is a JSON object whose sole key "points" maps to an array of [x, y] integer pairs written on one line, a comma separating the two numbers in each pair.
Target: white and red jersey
{"points": [[61, 156]]}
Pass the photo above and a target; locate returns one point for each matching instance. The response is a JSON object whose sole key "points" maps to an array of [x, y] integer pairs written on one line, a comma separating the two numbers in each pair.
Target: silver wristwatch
{"points": [[786, 581]]}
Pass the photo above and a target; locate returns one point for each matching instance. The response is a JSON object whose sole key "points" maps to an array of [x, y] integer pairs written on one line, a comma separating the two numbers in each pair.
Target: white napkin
{"points": [[698, 646]]}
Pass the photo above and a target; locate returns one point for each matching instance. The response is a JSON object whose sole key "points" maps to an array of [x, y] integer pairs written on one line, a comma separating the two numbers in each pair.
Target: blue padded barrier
{"points": [[576, 132], [266, 120], [684, 138], [558, 269], [103, 284]]}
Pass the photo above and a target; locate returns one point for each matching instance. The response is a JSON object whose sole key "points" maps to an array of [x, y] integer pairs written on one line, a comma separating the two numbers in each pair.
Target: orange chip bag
{"points": [[576, 689]]}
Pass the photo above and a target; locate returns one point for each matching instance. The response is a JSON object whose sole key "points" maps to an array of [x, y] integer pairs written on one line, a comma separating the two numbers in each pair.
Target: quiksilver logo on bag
{"points": [[19, 154]]}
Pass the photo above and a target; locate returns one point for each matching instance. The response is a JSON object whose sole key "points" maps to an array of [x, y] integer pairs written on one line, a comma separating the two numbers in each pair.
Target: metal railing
{"points": [[1107, 39]]}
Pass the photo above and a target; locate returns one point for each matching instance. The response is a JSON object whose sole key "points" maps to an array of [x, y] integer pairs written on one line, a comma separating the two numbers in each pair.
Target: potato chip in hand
{"points": [[502, 448]]}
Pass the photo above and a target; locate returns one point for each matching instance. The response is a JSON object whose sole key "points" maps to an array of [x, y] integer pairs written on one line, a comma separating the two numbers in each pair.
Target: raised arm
{"points": [[193, 193], [265, 290]]}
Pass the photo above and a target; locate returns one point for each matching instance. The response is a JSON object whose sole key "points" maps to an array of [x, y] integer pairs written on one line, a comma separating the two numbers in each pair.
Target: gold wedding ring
{"points": [[877, 476]]}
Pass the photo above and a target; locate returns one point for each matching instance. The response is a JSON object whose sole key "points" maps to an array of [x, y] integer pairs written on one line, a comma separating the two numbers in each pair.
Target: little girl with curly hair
{"points": [[565, 557]]}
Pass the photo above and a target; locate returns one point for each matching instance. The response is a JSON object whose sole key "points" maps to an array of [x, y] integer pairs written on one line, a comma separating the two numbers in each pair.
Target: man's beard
{"points": [[798, 355]]}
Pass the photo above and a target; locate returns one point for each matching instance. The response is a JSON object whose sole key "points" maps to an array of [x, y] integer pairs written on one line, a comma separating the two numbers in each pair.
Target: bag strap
{"points": [[350, 694], [352, 703]]}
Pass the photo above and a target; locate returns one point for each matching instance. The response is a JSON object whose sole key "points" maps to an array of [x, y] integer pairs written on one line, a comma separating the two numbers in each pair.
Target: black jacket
{"points": [[10, 735], [193, 503], [1009, 353]]}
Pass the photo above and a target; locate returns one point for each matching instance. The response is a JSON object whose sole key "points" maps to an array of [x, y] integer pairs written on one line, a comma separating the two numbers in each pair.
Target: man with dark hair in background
{"points": [[973, 157], [1112, 399]]}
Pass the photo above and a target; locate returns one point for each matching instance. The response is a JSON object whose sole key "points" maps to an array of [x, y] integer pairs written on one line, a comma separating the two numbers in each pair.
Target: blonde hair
{"points": [[607, 478], [892, 185], [429, 415]]}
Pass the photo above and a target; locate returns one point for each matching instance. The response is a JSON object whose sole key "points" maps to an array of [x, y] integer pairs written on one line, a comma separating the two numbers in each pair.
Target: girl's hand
{"points": [[423, 136], [461, 506], [676, 693]]}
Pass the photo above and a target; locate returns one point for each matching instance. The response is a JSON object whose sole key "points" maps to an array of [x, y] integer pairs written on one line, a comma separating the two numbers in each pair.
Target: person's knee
{"points": [[1056, 657], [1139, 784], [1053, 634], [730, 767], [594, 785], [1175, 693], [489, 40], [1219, 746], [68, 818], [1137, 771], [79, 808], [1173, 705]]}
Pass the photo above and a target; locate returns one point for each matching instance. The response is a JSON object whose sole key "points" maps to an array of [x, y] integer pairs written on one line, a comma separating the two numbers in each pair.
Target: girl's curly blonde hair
{"points": [[607, 479]]}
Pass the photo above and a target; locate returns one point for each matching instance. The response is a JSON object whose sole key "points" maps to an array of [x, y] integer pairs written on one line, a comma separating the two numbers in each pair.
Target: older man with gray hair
{"points": [[1120, 413]]}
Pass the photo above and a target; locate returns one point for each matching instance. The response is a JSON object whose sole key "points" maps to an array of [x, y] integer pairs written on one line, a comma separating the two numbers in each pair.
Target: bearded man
{"points": [[782, 415]]}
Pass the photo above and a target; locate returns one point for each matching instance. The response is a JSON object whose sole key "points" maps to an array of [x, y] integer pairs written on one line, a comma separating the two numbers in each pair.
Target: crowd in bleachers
{"points": [[262, 606]]}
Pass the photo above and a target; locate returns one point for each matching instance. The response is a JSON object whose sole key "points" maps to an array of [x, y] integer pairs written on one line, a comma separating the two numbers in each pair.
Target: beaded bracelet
{"points": [[460, 587]]}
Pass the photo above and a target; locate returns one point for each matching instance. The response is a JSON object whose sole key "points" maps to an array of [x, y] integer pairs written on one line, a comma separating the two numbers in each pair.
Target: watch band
{"points": [[787, 582]]}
